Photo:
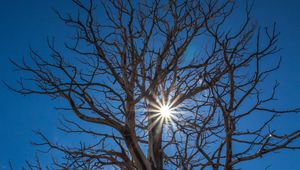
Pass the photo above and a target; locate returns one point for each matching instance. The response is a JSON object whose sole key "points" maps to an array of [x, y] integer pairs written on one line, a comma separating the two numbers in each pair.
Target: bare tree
{"points": [[128, 71]]}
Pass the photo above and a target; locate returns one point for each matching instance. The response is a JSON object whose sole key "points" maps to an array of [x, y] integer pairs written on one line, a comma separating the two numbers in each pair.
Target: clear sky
{"points": [[27, 23]]}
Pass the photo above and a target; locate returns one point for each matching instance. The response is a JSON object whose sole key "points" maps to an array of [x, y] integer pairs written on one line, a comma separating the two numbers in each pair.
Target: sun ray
{"points": [[154, 115], [154, 123]]}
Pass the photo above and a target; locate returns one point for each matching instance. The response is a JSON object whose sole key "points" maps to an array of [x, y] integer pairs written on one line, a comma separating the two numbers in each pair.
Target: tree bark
{"points": [[155, 138]]}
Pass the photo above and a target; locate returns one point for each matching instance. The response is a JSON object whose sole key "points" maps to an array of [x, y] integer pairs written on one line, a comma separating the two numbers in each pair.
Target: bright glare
{"points": [[165, 111]]}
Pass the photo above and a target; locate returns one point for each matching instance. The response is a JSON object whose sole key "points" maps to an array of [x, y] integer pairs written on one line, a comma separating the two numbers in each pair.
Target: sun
{"points": [[165, 111]]}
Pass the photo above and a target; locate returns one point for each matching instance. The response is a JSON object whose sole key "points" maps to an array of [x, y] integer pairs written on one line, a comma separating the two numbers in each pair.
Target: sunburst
{"points": [[163, 112]]}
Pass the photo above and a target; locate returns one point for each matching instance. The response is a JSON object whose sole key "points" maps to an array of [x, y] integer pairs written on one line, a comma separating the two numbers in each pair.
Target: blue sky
{"points": [[27, 23]]}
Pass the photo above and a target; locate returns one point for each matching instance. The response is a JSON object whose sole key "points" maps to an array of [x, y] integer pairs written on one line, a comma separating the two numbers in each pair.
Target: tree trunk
{"points": [[139, 159], [155, 140]]}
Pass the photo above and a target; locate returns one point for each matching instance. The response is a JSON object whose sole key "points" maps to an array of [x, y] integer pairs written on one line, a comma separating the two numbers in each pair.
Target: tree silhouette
{"points": [[134, 84]]}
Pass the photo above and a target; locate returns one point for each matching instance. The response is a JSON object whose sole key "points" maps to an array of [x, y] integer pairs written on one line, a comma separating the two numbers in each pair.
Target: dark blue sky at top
{"points": [[27, 23]]}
